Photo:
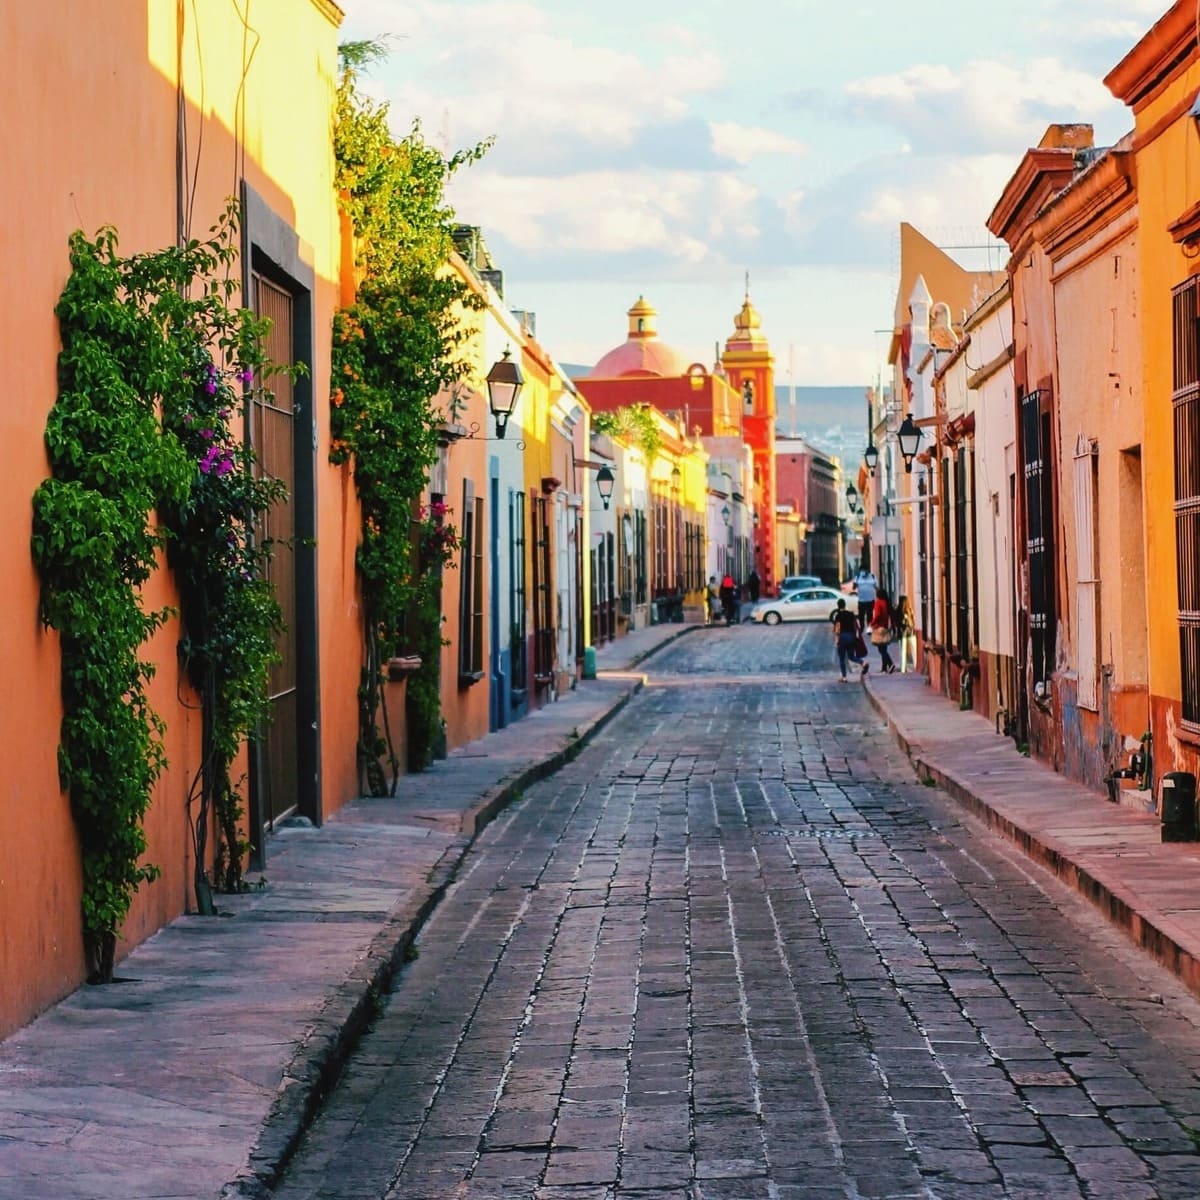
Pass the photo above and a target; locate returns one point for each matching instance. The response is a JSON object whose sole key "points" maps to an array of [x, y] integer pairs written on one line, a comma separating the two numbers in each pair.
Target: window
{"points": [[661, 548], [1087, 586], [924, 532], [963, 600], [516, 596], [470, 600], [639, 556], [1185, 400], [543, 593], [1039, 533]]}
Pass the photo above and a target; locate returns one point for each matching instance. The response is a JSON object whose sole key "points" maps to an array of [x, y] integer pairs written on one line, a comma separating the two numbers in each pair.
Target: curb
{"points": [[638, 659], [1111, 900], [329, 1041]]}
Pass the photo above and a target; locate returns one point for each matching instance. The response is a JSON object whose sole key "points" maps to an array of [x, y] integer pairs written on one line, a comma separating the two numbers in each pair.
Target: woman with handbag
{"points": [[882, 625], [907, 628]]}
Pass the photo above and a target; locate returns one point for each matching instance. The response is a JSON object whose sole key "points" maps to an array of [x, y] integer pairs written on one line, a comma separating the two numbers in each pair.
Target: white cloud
{"points": [[598, 213], [744, 143], [980, 106], [514, 70], [950, 193]]}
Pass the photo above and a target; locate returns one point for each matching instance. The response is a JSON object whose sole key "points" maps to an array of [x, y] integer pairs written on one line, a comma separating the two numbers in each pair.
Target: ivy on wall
{"points": [[634, 424], [394, 349], [151, 356]]}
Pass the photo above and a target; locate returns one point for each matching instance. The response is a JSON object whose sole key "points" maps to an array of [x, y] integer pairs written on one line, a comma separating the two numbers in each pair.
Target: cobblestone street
{"points": [[735, 950]]}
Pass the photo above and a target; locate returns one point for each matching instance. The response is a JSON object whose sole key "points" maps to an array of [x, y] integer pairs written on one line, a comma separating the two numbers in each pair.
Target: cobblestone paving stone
{"points": [[735, 951]]}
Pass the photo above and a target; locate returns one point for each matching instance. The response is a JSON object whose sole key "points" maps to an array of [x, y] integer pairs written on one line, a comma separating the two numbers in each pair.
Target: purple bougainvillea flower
{"points": [[210, 459], [247, 376], [211, 387]]}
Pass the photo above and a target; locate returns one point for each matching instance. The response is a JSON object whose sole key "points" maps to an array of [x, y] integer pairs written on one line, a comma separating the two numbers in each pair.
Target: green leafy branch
{"points": [[394, 350]]}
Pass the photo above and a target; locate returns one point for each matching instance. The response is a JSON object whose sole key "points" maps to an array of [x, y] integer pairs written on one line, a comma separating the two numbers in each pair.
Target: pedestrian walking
{"points": [[906, 625], [714, 600], [865, 587], [753, 587], [847, 638], [882, 627], [729, 603]]}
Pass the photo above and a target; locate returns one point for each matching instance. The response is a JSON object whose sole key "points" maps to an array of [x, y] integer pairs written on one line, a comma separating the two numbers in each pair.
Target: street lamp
{"points": [[871, 457], [852, 497], [909, 437], [605, 480], [504, 382], [725, 514]]}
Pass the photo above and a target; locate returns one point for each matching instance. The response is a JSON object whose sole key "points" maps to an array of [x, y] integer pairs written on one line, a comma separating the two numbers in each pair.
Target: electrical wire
{"points": [[239, 107]]}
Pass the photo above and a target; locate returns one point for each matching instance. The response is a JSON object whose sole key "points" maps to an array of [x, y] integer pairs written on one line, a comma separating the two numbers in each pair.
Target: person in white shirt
{"points": [[865, 587]]}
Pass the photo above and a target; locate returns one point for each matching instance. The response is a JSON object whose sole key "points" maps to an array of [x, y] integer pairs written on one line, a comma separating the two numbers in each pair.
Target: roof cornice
{"points": [[330, 11], [1163, 53], [1041, 172], [1098, 197]]}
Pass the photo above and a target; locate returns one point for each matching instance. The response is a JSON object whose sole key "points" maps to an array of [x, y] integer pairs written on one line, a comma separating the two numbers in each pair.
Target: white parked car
{"points": [[793, 583], [805, 604]]}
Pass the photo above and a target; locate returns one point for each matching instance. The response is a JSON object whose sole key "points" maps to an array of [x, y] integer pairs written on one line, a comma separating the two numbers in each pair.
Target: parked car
{"points": [[794, 583], [804, 604]]}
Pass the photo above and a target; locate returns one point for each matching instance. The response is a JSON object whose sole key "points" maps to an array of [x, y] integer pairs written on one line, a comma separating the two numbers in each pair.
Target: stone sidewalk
{"points": [[196, 1075], [1114, 856]]}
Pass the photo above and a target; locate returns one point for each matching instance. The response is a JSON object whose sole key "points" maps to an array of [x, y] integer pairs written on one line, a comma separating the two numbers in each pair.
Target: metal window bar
{"points": [[1087, 585], [962, 567], [519, 674], [1185, 402], [543, 593]]}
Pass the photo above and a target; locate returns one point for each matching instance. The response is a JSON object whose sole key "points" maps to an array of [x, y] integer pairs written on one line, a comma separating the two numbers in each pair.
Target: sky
{"points": [[666, 149]]}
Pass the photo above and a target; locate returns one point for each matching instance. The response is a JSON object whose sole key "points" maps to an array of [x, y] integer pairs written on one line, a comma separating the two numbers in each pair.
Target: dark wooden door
{"points": [[273, 420]]}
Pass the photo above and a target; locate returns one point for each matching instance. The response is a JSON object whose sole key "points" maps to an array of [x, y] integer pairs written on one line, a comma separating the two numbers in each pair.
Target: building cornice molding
{"points": [[997, 300], [1099, 197], [980, 377], [330, 11], [1042, 172], [1185, 229], [1163, 53]]}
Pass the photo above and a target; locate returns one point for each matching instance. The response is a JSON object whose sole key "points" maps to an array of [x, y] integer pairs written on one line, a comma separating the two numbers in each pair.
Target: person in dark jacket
{"points": [[847, 634], [729, 599]]}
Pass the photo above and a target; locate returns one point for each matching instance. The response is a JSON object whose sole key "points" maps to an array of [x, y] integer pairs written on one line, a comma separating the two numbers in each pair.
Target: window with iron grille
{"points": [[639, 557], [1039, 533], [923, 529], [962, 565], [944, 628], [659, 549], [1185, 401], [516, 597], [470, 596], [543, 593]]}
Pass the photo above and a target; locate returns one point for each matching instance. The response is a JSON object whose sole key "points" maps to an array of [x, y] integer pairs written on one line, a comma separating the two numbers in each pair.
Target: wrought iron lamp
{"points": [[909, 437], [504, 383], [605, 481]]}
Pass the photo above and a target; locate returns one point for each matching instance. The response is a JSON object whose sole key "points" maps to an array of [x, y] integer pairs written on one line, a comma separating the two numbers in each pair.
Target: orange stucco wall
{"points": [[92, 121], [1168, 172]]}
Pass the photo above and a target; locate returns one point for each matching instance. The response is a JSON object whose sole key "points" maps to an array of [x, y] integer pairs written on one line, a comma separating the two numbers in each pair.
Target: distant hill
{"points": [[811, 410]]}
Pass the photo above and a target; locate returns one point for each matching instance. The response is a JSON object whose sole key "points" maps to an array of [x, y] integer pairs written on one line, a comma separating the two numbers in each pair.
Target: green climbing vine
{"points": [[219, 547], [394, 349], [635, 424], [143, 423]]}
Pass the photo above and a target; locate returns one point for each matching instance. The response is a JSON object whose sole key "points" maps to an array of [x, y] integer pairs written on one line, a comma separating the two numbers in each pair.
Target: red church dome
{"points": [[641, 353]]}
